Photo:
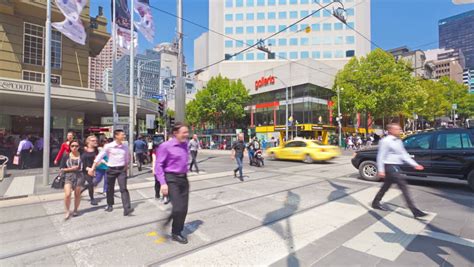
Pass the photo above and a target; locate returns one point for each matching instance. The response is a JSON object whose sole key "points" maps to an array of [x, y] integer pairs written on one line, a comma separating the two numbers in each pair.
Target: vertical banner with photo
{"points": [[72, 26], [145, 25], [123, 23]]}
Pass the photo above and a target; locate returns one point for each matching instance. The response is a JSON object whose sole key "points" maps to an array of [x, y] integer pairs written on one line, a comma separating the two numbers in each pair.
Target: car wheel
{"points": [[308, 159], [272, 156], [368, 171], [470, 180]]}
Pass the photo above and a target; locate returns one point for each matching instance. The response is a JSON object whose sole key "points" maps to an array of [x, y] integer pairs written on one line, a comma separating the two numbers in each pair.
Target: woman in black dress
{"points": [[71, 167], [88, 156]]}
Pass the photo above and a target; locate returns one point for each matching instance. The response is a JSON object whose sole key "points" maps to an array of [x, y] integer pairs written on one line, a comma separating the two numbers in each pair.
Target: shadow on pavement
{"points": [[192, 227]]}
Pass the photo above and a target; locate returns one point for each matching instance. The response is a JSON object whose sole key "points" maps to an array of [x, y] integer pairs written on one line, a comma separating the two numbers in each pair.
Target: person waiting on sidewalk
{"points": [[88, 157], [171, 169], [238, 149], [391, 155], [119, 158], [193, 147], [71, 167], [64, 147], [140, 148], [25, 147]]}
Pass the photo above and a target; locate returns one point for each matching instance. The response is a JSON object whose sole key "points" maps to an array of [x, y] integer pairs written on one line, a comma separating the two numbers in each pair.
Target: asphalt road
{"points": [[284, 214]]}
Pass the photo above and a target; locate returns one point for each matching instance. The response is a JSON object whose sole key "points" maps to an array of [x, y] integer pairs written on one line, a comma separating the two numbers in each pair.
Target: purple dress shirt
{"points": [[24, 145], [171, 157], [119, 155]]}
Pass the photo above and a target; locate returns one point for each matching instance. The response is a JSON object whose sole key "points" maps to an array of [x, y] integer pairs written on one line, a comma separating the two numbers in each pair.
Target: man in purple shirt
{"points": [[24, 151], [171, 169], [118, 159]]}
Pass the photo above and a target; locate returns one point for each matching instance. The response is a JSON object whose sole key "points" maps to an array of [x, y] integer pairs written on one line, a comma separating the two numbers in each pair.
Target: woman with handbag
{"points": [[88, 156], [71, 167]]}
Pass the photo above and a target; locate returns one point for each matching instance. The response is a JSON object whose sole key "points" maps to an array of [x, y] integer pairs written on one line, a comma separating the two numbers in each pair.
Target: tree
{"points": [[375, 84], [221, 103], [458, 94], [435, 103]]}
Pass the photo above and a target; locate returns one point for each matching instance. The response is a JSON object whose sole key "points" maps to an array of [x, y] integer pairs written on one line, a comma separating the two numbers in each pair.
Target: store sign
{"points": [[150, 121], [16, 86], [264, 81], [110, 120]]}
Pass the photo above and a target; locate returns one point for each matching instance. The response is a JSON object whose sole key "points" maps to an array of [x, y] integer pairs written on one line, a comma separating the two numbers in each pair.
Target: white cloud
{"points": [[462, 2]]}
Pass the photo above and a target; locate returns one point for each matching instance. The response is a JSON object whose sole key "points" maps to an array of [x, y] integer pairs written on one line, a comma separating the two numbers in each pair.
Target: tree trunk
{"points": [[366, 123]]}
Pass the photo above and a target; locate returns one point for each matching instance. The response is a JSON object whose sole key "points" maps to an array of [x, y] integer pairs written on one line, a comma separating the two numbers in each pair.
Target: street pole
{"points": [[131, 93], [114, 56], [286, 115], [47, 96], [339, 115], [180, 92], [137, 96]]}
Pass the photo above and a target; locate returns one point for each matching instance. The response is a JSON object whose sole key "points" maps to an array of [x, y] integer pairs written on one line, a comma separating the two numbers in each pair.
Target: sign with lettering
{"points": [[110, 120], [264, 81], [16, 86]]}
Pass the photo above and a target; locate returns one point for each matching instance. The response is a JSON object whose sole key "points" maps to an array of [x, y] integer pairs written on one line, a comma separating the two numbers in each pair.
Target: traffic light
{"points": [[161, 108], [171, 122]]}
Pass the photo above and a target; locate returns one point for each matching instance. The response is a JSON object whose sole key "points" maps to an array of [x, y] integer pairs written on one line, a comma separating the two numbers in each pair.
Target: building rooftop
{"points": [[456, 17]]}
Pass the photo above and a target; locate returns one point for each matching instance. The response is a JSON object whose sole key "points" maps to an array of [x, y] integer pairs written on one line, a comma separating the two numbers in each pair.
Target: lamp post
{"points": [[286, 108], [339, 115]]}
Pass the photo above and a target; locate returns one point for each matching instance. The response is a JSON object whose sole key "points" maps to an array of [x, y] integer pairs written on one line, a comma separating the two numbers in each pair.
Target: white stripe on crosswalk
{"points": [[21, 186], [204, 175], [388, 237], [266, 245]]}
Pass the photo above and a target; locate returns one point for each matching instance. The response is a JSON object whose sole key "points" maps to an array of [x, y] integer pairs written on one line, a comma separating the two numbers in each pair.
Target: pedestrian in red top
{"points": [[64, 147]]}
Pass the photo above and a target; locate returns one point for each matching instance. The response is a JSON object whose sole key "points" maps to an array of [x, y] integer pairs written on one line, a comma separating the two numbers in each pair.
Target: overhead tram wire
{"points": [[250, 46]]}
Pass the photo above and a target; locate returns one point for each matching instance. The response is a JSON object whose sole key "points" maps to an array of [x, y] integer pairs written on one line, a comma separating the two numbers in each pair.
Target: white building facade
{"points": [[245, 22]]}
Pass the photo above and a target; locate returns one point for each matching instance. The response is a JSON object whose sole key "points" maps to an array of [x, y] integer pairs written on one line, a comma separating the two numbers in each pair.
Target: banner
{"points": [[145, 25], [72, 26], [71, 8], [123, 23]]}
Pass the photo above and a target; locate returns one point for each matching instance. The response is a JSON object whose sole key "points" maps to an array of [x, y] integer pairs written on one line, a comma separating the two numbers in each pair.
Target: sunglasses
{"points": [[74, 146]]}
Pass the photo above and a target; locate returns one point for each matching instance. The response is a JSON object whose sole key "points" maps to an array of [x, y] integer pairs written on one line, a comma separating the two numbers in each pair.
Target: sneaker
{"points": [[109, 208], [94, 202]]}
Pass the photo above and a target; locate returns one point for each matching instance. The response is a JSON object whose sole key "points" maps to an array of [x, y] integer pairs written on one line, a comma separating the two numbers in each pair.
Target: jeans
{"points": [[239, 165], [251, 153], [99, 175]]}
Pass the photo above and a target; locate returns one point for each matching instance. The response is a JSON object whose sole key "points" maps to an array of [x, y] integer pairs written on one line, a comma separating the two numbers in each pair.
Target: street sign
{"points": [[455, 106], [157, 97]]}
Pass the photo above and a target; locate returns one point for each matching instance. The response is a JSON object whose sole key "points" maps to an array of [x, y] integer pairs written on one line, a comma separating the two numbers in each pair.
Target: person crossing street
{"points": [[193, 147], [391, 155], [238, 149], [140, 147]]}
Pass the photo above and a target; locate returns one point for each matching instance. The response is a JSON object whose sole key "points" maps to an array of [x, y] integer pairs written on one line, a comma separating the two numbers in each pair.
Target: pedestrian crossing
{"points": [[21, 186]]}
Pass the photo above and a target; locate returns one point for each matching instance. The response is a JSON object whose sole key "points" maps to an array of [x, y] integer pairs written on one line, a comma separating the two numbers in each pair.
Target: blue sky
{"points": [[394, 22]]}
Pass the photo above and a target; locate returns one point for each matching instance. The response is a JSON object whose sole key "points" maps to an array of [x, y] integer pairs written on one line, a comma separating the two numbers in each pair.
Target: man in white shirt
{"points": [[391, 155]]}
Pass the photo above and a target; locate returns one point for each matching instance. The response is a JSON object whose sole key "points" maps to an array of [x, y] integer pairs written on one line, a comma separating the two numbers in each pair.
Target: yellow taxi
{"points": [[307, 151]]}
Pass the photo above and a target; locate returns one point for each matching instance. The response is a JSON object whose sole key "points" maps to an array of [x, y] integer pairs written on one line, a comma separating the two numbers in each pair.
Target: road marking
{"points": [[21, 186], [449, 238], [269, 244], [152, 234], [388, 237]]}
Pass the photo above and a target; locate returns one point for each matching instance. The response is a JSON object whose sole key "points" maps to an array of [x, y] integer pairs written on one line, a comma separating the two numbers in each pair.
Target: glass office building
{"points": [[458, 32]]}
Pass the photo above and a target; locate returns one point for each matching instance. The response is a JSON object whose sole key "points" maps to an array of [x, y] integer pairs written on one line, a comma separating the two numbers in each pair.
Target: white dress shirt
{"points": [[392, 151]]}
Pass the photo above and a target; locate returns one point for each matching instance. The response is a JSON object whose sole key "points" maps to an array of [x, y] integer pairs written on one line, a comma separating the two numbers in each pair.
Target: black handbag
{"points": [[58, 182]]}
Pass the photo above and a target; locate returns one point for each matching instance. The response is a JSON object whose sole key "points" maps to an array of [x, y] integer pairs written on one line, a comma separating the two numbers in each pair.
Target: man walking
{"points": [[171, 168], [238, 148], [391, 155], [193, 147], [118, 160], [140, 148], [25, 147]]}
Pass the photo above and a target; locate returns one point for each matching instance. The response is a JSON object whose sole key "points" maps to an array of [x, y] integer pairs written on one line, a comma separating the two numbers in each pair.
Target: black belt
{"points": [[117, 168], [180, 175]]}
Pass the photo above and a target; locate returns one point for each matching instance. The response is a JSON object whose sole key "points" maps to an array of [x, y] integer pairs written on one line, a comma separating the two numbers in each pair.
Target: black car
{"points": [[447, 153]]}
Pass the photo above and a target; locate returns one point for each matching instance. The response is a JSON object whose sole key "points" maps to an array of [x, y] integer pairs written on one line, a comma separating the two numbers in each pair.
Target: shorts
{"points": [[74, 179]]}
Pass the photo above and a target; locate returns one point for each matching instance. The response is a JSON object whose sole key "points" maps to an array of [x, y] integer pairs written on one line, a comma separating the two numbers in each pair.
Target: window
{"points": [[453, 141], [249, 56], [350, 12], [303, 27], [282, 55], [350, 25], [304, 41], [260, 2], [250, 16], [304, 2], [261, 29], [418, 142], [293, 2], [229, 30], [250, 29], [282, 15], [315, 54], [304, 54], [229, 43], [239, 16], [33, 44], [293, 41], [55, 49], [32, 76], [326, 13], [327, 26], [294, 28], [228, 3], [466, 141], [271, 42], [271, 15], [282, 42], [316, 14], [250, 42], [239, 30], [327, 40], [327, 1], [339, 54], [315, 27], [282, 2], [239, 3], [260, 56], [304, 13], [293, 14], [260, 16], [316, 40], [271, 28], [337, 26], [239, 43], [281, 27], [293, 55], [250, 3], [239, 57], [350, 40], [271, 2], [338, 40], [228, 17], [296, 144], [327, 54]]}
